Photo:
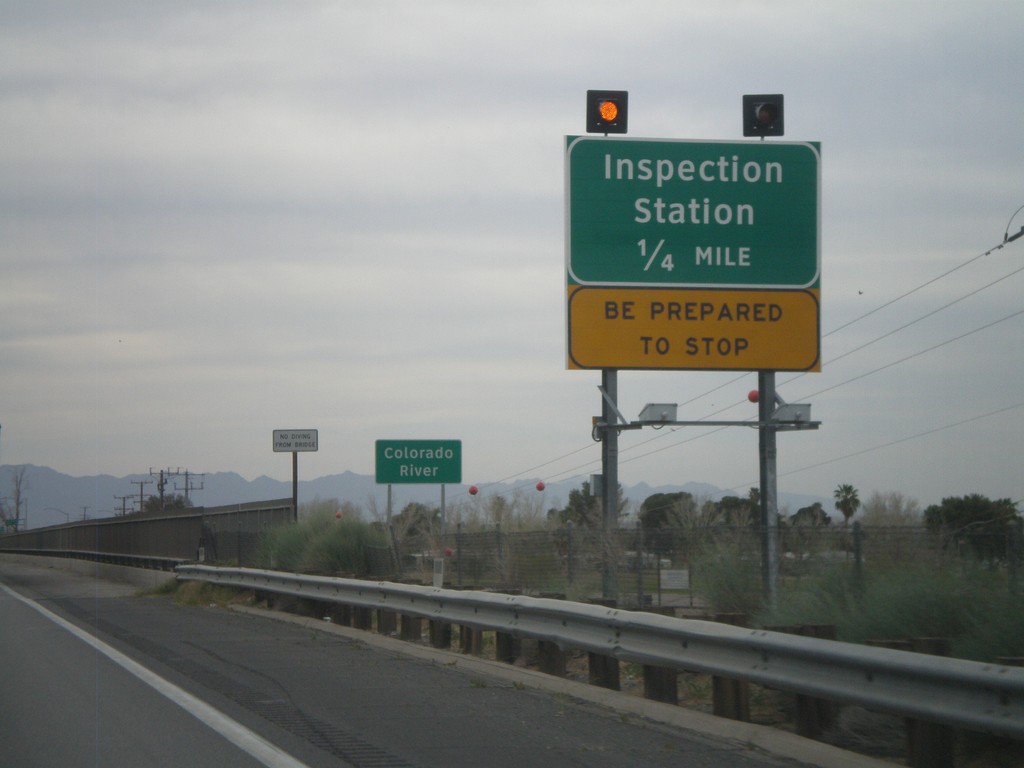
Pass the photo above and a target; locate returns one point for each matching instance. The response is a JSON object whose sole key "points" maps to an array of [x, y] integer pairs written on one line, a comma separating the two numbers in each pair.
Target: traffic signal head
{"points": [[763, 115], [607, 111]]}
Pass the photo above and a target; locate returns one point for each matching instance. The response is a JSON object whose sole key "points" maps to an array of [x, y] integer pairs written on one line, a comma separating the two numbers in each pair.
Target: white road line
{"points": [[246, 740]]}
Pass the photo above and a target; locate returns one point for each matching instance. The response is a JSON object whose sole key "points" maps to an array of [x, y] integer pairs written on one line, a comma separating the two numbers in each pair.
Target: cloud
{"points": [[222, 220]]}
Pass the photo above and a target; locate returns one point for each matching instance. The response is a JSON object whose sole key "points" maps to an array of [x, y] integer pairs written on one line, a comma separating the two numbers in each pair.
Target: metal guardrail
{"points": [[967, 694]]}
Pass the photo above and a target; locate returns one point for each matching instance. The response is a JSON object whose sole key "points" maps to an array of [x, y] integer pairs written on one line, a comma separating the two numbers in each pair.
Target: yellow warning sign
{"points": [[673, 329]]}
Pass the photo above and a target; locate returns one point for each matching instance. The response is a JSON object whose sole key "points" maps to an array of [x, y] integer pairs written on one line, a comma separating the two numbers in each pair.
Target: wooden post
{"points": [[387, 621], [731, 698], [815, 716], [440, 634], [362, 618], [411, 628], [471, 640], [930, 745], [661, 684], [552, 658], [506, 647], [603, 671]]}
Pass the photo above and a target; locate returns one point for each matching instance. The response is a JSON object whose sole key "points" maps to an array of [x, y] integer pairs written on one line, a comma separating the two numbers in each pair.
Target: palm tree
{"points": [[846, 501]]}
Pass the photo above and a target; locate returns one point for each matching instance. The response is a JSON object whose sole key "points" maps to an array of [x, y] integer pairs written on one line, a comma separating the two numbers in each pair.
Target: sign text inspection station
{"points": [[692, 255], [672, 213]]}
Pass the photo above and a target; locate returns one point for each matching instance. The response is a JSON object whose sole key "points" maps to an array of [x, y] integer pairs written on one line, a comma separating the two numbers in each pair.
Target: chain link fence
{"points": [[682, 566], [693, 567]]}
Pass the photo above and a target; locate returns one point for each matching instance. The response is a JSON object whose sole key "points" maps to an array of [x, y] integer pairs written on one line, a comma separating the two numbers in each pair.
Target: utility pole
{"points": [[162, 476], [188, 484], [142, 497], [124, 503]]}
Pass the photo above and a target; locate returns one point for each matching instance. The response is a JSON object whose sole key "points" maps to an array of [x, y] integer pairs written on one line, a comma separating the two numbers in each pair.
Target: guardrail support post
{"points": [[471, 640], [362, 618], [930, 745], [815, 716], [731, 698], [440, 634], [506, 647], [661, 684], [603, 671], [387, 621], [551, 657], [411, 628]]}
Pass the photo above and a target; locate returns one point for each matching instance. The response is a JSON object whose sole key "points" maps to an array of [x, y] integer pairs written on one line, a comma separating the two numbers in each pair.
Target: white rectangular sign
{"points": [[675, 579], [294, 440]]}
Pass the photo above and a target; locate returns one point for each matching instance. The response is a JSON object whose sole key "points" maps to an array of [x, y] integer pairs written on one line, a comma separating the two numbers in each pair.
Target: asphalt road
{"points": [[92, 675]]}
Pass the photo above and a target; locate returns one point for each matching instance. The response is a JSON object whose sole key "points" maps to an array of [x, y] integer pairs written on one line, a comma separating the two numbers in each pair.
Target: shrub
{"points": [[968, 606], [321, 544], [728, 575]]}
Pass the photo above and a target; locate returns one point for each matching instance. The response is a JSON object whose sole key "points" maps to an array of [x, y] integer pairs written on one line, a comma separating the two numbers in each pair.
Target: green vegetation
{"points": [[321, 544], [847, 501], [949, 573], [967, 604], [973, 521], [199, 593], [727, 574], [952, 573]]}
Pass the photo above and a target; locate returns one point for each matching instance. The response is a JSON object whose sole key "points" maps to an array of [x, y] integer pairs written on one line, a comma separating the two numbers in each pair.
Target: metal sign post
{"points": [[769, 485], [610, 476], [436, 462], [293, 441]]}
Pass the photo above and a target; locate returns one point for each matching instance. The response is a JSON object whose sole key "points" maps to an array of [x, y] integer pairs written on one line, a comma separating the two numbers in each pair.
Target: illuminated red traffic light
{"points": [[607, 111]]}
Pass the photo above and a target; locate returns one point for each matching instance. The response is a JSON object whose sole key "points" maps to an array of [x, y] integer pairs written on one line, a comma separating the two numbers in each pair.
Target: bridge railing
{"points": [[226, 534]]}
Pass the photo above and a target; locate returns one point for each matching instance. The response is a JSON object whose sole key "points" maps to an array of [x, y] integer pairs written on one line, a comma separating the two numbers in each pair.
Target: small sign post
{"points": [[293, 441]]}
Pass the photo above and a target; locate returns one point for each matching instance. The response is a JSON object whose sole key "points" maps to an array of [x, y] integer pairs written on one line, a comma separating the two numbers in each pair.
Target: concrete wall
{"points": [[143, 578]]}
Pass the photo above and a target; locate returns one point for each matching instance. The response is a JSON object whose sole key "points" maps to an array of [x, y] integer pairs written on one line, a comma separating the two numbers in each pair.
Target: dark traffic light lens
{"points": [[767, 114], [763, 115]]}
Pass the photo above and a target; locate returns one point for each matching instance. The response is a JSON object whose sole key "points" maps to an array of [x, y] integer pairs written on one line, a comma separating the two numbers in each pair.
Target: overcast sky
{"points": [[221, 219]]}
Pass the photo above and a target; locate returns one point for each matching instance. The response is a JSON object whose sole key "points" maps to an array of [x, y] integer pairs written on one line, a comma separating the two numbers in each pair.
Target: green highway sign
{"points": [[419, 461], [692, 214]]}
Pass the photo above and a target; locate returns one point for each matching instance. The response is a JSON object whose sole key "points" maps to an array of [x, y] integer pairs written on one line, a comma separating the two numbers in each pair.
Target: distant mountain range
{"points": [[53, 497]]}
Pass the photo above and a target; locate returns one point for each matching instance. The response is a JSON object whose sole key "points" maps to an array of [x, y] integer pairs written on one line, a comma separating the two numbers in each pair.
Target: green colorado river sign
{"points": [[419, 461]]}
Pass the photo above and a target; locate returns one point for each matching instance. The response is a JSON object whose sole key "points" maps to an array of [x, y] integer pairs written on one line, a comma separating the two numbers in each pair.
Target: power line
{"points": [[883, 336], [915, 321], [912, 291], [871, 312], [917, 354], [878, 309], [903, 439], [814, 394]]}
